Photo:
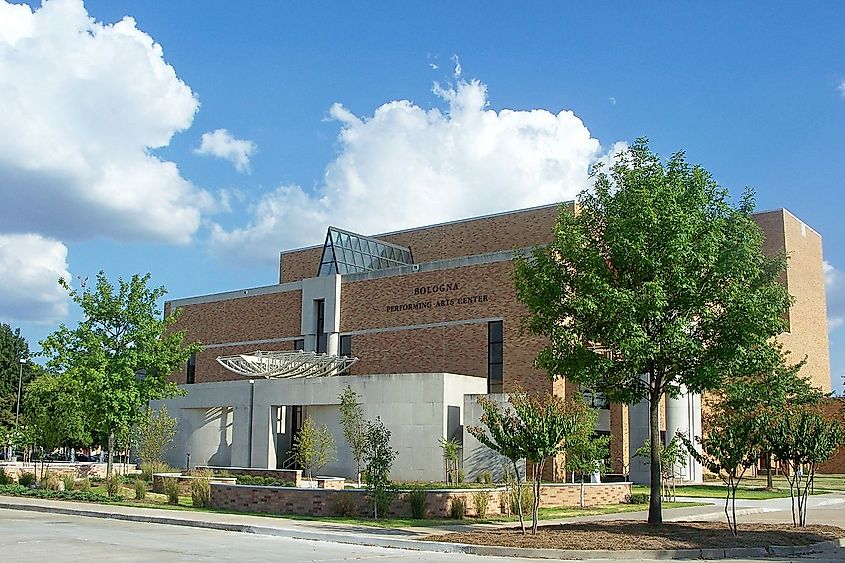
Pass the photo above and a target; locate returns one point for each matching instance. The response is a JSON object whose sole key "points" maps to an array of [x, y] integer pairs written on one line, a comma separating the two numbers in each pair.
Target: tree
{"points": [[378, 460], [13, 347], [451, 456], [803, 439], [586, 452], [354, 427], [765, 396], [728, 450], [54, 417], [504, 438], [313, 447], [121, 352], [671, 456], [154, 435], [656, 284]]}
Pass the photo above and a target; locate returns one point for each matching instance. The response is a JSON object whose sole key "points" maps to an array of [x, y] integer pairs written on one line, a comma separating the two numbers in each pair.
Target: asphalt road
{"points": [[33, 536]]}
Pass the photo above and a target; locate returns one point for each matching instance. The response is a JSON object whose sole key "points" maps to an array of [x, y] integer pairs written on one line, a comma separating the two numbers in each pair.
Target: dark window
{"points": [[322, 339], [192, 369], [495, 353], [595, 399], [346, 345], [299, 344]]}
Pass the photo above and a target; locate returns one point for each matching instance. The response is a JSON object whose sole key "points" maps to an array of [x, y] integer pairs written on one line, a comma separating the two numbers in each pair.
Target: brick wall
{"points": [[835, 409], [324, 502]]}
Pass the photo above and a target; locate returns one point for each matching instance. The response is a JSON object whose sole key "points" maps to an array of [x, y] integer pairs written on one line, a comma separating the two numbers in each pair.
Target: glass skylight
{"points": [[349, 253]]}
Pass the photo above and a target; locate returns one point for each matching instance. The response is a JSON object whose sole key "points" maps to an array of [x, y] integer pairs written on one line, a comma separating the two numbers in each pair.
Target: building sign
{"points": [[437, 299]]}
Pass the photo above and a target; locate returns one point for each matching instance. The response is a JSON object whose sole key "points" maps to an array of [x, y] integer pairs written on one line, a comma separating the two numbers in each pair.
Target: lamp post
{"points": [[22, 361]]}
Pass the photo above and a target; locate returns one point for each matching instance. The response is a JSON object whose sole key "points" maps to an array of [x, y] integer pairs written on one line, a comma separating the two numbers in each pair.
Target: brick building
{"points": [[440, 300]]}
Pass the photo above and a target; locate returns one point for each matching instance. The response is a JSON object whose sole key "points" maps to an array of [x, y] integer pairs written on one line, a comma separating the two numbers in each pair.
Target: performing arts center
{"points": [[419, 323]]}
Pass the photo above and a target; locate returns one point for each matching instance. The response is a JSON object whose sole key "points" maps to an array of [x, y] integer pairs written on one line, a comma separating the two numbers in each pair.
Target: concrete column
{"points": [[638, 433], [326, 288], [683, 415], [240, 432]]}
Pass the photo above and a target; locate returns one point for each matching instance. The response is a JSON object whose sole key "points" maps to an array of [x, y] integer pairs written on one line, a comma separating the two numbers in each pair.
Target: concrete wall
{"points": [[418, 409]]}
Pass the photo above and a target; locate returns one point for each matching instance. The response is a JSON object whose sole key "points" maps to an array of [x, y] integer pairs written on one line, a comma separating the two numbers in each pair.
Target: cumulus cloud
{"points": [[222, 144], [834, 285], [81, 106], [841, 88], [407, 166], [30, 267]]}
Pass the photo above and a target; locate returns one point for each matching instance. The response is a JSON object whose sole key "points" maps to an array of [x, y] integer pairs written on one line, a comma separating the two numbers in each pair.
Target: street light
{"points": [[20, 379]]}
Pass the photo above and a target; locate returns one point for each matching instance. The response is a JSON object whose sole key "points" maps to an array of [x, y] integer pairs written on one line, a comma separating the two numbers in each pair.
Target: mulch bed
{"points": [[618, 535]]}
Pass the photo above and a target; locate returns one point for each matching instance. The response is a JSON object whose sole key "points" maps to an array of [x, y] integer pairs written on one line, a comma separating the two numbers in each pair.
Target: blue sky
{"points": [[353, 114]]}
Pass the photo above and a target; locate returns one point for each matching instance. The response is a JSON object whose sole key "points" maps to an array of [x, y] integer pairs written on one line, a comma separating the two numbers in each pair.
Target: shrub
{"points": [[69, 482], [459, 476], [527, 499], [171, 489], [147, 469], [259, 481], [485, 478], [201, 489], [51, 481], [26, 479], [84, 496], [5, 479], [113, 485], [84, 485], [343, 504], [638, 498], [140, 489], [458, 508], [416, 498], [481, 503]]}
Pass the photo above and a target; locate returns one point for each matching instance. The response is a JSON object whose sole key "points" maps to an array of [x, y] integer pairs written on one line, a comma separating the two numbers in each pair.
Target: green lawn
{"points": [[747, 492], [822, 483]]}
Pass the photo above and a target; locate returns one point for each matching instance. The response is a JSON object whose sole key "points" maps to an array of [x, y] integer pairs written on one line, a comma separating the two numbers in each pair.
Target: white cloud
{"points": [[842, 88], [81, 105], [834, 285], [407, 166], [30, 267], [221, 144]]}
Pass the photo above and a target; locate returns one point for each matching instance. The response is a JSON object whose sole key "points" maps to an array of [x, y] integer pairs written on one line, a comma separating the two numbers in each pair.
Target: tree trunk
{"points": [[769, 482], [655, 512], [111, 452], [519, 497]]}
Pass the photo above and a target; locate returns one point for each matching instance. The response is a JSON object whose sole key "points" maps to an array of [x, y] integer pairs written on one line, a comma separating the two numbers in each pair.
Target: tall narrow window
{"points": [[192, 369], [346, 349], [322, 339], [495, 341]]}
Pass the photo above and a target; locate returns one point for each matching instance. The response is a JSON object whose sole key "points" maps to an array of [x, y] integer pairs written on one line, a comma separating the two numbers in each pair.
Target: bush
{"points": [[84, 485], [113, 485], [147, 469], [51, 481], [26, 479], [484, 478], [527, 499], [83, 496], [171, 489], [201, 490], [638, 498], [5, 479], [459, 476], [140, 489], [69, 482], [481, 503], [416, 498], [343, 504], [259, 481], [458, 508]]}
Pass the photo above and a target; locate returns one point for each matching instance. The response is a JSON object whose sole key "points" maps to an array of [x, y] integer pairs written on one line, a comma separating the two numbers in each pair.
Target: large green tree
{"points": [[656, 283], [13, 347], [121, 352]]}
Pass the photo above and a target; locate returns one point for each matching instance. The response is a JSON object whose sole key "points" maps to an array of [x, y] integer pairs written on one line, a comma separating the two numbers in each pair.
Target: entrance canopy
{"points": [[286, 365]]}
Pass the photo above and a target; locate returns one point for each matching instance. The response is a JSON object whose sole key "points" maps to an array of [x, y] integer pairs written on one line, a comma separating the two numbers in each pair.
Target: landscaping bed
{"points": [[620, 535]]}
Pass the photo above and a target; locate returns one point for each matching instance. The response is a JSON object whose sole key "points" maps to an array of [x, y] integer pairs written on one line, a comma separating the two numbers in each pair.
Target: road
{"points": [[35, 536]]}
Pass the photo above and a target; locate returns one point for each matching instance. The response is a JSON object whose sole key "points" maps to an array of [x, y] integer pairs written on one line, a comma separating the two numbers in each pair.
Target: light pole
{"points": [[22, 361]]}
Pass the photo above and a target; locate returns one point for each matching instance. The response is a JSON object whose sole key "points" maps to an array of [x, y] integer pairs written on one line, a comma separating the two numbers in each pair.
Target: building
{"points": [[432, 317]]}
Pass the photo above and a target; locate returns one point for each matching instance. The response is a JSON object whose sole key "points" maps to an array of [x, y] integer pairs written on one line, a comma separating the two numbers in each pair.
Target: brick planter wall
{"points": [[324, 502]]}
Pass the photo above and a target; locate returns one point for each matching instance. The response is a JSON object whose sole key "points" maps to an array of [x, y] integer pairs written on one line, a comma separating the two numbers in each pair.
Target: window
{"points": [[346, 345], [595, 399], [299, 344], [322, 339], [495, 345], [192, 369], [348, 253]]}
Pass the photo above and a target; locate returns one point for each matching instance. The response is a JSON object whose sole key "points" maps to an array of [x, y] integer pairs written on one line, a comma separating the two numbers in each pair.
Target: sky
{"points": [[197, 140]]}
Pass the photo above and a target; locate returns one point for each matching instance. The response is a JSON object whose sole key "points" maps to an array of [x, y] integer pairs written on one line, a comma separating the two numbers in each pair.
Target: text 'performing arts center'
{"points": [[419, 323]]}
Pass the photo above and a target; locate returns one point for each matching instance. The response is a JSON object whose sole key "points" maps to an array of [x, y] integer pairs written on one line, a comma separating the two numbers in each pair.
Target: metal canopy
{"points": [[286, 365]]}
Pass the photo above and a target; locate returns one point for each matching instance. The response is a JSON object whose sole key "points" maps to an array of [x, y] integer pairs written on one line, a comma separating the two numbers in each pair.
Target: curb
{"points": [[441, 547]]}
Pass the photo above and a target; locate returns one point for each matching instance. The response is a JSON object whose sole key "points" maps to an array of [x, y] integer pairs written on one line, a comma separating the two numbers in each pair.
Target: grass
{"points": [[822, 483], [753, 488]]}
